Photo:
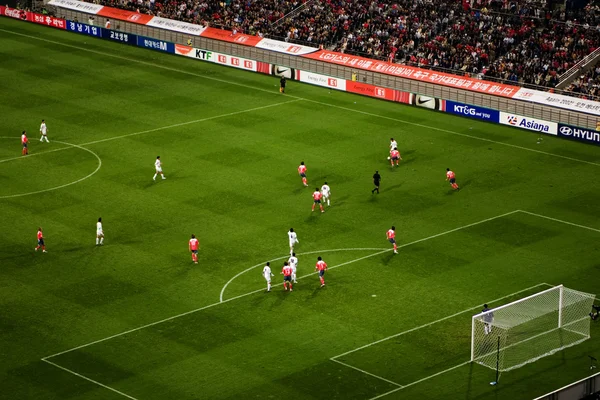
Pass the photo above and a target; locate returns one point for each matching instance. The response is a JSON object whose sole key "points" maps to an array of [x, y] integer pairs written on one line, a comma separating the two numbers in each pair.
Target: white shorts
{"points": [[292, 243], [325, 196], [267, 278], [293, 270], [158, 170], [99, 233]]}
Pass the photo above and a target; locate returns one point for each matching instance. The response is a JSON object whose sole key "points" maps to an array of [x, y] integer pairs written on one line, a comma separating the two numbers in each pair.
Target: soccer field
{"points": [[136, 319]]}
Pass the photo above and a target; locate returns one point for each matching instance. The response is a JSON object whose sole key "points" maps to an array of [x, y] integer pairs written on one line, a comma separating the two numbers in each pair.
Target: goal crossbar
{"points": [[556, 317]]}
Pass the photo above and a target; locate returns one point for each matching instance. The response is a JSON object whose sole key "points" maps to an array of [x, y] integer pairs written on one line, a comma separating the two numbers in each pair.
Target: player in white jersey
{"points": [[393, 144], [267, 274], [44, 132], [99, 233], [158, 167], [326, 191], [293, 261], [293, 240]]}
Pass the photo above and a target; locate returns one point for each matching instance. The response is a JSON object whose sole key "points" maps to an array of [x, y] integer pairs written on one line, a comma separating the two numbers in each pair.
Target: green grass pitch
{"points": [[146, 323]]}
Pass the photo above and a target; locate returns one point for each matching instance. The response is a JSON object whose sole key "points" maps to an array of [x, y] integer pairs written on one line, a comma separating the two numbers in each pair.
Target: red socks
{"points": [[304, 181], [322, 280]]}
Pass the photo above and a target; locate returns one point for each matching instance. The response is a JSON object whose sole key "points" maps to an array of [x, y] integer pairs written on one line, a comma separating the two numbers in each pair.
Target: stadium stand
{"points": [[526, 42], [586, 85]]}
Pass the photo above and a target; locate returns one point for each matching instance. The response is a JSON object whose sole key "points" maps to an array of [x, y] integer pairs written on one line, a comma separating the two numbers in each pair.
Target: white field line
{"points": [[66, 184], [104, 54], [420, 380], [259, 290], [437, 321], [198, 309], [284, 257], [368, 373], [90, 380], [152, 130], [560, 220]]}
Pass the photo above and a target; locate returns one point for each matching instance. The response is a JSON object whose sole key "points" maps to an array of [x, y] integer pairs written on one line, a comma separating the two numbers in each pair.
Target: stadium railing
{"points": [[520, 107]]}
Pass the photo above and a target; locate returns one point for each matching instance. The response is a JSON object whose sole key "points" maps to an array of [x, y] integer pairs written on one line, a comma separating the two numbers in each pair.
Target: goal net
{"points": [[521, 332]]}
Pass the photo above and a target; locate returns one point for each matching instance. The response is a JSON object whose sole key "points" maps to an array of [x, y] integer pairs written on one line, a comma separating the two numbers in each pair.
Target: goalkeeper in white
{"points": [[267, 274], [488, 319], [293, 240]]}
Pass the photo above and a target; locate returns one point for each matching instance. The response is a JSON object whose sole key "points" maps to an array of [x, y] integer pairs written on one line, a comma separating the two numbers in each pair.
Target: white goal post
{"points": [[521, 332]]}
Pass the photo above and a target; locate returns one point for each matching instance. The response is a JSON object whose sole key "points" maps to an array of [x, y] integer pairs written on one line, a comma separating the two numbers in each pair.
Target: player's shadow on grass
{"points": [[388, 257]]}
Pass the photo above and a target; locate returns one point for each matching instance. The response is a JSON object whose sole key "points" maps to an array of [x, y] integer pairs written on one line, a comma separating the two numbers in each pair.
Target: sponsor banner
{"points": [[84, 29], [263, 67], [581, 134], [217, 58], [284, 47], [558, 100], [321, 80], [13, 13], [423, 75], [47, 20], [124, 15], [377, 92], [433, 103], [89, 8], [486, 114], [173, 25], [278, 70], [121, 37], [228, 36], [23, 15], [532, 124], [155, 44]]}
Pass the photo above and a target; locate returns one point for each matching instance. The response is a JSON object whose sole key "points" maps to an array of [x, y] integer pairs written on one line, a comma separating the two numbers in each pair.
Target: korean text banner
{"points": [[482, 113], [84, 29], [558, 100], [89, 8], [121, 37], [155, 44], [423, 75]]}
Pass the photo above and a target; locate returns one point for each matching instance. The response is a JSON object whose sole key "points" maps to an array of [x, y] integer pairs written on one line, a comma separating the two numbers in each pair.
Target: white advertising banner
{"points": [[322, 80], [532, 124], [178, 26], [89, 8], [284, 47], [217, 58], [558, 100]]}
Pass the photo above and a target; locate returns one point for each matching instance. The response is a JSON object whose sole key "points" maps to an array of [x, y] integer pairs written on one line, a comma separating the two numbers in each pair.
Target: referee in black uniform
{"points": [[282, 85], [376, 179]]}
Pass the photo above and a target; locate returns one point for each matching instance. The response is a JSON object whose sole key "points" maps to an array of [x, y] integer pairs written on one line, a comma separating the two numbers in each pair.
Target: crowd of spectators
{"points": [[524, 41], [587, 85]]}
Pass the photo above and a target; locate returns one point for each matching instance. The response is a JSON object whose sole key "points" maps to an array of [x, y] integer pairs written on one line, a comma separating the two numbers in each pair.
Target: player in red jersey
{"points": [[391, 237], [287, 276], [194, 245], [40, 239], [24, 142], [302, 173], [321, 267], [395, 156], [317, 199], [451, 177]]}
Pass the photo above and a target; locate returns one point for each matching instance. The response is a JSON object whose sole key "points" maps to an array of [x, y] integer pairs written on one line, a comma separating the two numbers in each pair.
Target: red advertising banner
{"points": [[13, 13], [228, 36], [423, 75], [33, 17], [47, 20], [377, 92], [124, 15]]}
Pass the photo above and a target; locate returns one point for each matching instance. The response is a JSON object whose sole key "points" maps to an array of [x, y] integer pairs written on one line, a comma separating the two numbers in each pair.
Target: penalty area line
{"points": [[89, 379]]}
